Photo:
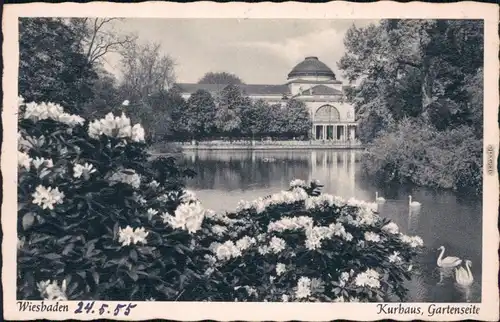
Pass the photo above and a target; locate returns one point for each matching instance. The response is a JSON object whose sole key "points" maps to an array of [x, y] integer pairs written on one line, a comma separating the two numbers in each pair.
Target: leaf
{"points": [[133, 275], [52, 256], [133, 255], [28, 220]]}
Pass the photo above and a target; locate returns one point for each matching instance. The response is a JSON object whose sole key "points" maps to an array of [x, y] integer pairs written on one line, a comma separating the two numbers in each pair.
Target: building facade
{"points": [[312, 82]]}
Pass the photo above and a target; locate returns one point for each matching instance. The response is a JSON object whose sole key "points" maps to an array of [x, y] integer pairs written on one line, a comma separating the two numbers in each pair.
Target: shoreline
{"points": [[190, 147]]}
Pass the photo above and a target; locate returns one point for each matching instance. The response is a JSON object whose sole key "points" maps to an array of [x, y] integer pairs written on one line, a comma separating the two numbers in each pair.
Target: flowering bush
{"points": [[300, 245], [91, 208], [99, 219]]}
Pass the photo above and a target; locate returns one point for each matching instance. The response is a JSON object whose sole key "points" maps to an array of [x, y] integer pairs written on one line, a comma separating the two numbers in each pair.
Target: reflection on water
{"points": [[225, 177]]}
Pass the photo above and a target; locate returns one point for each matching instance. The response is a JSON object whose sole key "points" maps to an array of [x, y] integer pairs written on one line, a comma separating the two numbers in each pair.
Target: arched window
{"points": [[327, 114]]}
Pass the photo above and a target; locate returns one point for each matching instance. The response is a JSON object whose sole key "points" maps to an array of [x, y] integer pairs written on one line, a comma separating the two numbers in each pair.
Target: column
{"points": [[324, 132], [335, 132], [353, 131]]}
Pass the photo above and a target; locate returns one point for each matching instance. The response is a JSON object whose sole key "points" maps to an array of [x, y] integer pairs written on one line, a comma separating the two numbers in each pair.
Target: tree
{"points": [[106, 95], [297, 119], [98, 37], [256, 119], [231, 105], [51, 64], [420, 67], [201, 114], [146, 70], [220, 78]]}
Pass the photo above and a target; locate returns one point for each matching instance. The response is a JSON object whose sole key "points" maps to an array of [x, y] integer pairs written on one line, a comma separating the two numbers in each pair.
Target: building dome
{"points": [[311, 66]]}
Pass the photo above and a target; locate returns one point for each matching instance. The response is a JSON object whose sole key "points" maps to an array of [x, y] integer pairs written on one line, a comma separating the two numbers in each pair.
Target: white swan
{"points": [[413, 203], [447, 262], [464, 277], [379, 199]]}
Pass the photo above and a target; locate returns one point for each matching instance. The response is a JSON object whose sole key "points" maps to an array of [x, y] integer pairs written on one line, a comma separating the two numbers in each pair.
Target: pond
{"points": [[444, 218]]}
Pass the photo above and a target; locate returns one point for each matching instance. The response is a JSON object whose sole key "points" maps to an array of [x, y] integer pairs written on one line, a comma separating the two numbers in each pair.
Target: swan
{"points": [[447, 262], [464, 277], [413, 203], [379, 199]]}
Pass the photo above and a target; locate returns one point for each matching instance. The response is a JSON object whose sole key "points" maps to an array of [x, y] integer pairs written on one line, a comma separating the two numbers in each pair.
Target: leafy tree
{"points": [[230, 106], [201, 114], [220, 78], [297, 119], [106, 95], [256, 119], [51, 64]]}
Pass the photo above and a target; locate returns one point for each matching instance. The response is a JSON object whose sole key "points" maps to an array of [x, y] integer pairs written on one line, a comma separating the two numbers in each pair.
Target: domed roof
{"points": [[311, 66]]}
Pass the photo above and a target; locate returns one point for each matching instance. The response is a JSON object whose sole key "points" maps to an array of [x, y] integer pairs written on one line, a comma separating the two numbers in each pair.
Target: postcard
{"points": [[237, 161]]}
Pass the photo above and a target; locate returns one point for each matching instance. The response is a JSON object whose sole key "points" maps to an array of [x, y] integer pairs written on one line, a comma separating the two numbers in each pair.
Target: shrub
{"points": [[417, 153], [98, 218], [92, 210], [300, 245]]}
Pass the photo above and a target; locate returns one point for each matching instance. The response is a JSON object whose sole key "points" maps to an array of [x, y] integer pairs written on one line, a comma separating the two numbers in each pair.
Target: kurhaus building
{"points": [[312, 82]]}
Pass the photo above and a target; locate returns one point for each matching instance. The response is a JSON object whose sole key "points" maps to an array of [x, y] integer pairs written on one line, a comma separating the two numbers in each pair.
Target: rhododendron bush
{"points": [[301, 245], [99, 218]]}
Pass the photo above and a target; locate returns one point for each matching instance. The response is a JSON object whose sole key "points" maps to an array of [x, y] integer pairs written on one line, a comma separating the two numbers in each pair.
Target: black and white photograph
{"points": [[251, 159]]}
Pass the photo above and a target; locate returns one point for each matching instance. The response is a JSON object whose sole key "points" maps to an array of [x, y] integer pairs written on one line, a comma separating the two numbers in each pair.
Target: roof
{"points": [[325, 90], [308, 81], [311, 66], [249, 89]]}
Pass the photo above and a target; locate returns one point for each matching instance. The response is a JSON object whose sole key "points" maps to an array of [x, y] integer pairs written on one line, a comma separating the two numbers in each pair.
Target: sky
{"points": [[259, 51]]}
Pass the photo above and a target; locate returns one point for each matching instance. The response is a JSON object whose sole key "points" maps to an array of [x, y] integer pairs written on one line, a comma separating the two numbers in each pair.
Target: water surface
{"points": [[444, 218]]}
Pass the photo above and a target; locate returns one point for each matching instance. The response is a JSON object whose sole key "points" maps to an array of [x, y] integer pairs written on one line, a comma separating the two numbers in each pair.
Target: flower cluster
{"points": [[413, 241], [43, 111], [276, 245], [369, 278], [391, 228], [116, 127], [188, 216], [23, 160], [51, 291], [303, 289], [47, 197], [127, 176], [298, 183], [394, 258], [372, 237], [290, 223], [127, 236], [283, 197], [280, 269], [85, 170], [38, 162]]}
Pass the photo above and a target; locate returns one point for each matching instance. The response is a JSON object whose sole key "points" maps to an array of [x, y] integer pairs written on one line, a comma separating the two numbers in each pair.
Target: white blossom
{"points": [[187, 216], [245, 242], [23, 160], [51, 291], [394, 258], [280, 269], [188, 196], [391, 228], [86, 169], [218, 230], [284, 298], [37, 112], [226, 250], [303, 288], [128, 236], [371, 236], [38, 162], [277, 245], [369, 278], [132, 179], [290, 223], [47, 197], [298, 183], [117, 127], [413, 241]]}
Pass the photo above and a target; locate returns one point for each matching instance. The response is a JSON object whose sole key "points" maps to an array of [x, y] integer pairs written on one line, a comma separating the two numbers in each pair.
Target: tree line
{"points": [[63, 61], [419, 103]]}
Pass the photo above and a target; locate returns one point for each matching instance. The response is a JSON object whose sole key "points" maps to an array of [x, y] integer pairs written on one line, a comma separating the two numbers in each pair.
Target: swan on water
{"points": [[464, 277], [379, 199], [447, 262], [413, 203]]}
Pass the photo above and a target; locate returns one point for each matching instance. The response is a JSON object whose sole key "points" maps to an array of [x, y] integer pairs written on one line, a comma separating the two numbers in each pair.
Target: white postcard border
{"points": [[488, 309]]}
